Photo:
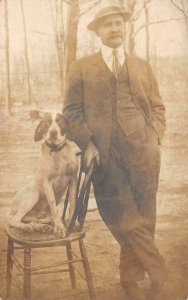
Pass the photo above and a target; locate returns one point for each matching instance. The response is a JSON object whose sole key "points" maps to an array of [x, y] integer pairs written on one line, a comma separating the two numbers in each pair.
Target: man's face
{"points": [[112, 31]]}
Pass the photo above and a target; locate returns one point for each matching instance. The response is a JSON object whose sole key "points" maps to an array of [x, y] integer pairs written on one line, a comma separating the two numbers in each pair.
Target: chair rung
{"points": [[16, 280], [17, 264], [48, 272], [56, 264], [19, 248]]}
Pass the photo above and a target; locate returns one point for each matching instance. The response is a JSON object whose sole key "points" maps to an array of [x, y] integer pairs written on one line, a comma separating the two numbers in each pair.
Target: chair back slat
{"points": [[82, 216], [82, 200]]}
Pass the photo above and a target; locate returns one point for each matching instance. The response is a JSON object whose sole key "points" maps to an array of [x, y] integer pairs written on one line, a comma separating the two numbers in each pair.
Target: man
{"points": [[116, 117]]}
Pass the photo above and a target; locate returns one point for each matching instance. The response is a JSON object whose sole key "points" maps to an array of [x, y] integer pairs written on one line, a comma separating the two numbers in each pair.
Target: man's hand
{"points": [[90, 154]]}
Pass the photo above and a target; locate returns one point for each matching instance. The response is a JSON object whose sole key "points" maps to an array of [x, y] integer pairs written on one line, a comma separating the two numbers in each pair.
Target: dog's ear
{"points": [[39, 132]]}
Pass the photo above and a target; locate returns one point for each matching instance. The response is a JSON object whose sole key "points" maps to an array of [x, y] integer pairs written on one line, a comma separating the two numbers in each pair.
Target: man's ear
{"points": [[39, 132]]}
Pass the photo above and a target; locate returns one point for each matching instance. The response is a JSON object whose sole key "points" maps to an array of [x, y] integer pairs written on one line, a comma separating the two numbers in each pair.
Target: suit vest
{"points": [[125, 112]]}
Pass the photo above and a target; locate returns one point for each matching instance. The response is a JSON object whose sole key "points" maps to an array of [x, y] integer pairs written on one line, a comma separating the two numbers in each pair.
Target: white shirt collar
{"points": [[107, 51], [107, 55]]}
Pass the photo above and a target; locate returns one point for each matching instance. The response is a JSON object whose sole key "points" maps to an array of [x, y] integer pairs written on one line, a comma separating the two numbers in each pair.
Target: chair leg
{"points": [[27, 274], [87, 271], [10, 252], [71, 267]]}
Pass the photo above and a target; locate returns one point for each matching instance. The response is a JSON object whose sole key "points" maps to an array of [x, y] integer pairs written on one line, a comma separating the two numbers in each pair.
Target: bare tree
{"points": [[154, 23], [26, 54], [182, 7], [71, 40], [147, 29], [57, 21], [7, 62], [131, 4], [92, 43]]}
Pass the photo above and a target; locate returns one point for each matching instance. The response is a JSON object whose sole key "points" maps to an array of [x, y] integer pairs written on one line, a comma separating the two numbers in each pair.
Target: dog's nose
{"points": [[53, 133]]}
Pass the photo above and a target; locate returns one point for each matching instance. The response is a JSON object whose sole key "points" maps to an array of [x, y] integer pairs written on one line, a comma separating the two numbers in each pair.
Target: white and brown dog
{"points": [[42, 202]]}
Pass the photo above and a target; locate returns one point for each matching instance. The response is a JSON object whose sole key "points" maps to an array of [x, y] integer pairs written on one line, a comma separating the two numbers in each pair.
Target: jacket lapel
{"points": [[136, 87], [133, 78], [101, 71]]}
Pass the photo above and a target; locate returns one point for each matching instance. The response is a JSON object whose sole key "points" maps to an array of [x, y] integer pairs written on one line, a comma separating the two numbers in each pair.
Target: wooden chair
{"points": [[18, 240]]}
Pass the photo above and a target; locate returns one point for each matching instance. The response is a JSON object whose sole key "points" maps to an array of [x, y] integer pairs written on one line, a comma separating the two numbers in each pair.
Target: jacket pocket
{"points": [[132, 124]]}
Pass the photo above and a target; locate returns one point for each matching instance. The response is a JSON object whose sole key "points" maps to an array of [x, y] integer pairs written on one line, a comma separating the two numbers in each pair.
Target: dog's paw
{"points": [[59, 229], [44, 228], [47, 228], [26, 227]]}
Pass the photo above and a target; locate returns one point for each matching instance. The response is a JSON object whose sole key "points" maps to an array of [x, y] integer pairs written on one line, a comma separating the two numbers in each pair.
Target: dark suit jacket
{"points": [[88, 101]]}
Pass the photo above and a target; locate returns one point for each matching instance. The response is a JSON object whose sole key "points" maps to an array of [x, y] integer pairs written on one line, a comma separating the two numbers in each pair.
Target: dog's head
{"points": [[52, 128]]}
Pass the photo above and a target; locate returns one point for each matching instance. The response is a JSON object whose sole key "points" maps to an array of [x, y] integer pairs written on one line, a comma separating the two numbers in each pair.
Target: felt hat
{"points": [[107, 11]]}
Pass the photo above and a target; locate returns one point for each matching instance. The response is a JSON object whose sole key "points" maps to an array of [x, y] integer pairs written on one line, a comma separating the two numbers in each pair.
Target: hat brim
{"points": [[93, 26]]}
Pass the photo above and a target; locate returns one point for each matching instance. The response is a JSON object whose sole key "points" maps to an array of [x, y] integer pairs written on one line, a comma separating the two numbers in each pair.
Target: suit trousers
{"points": [[126, 199]]}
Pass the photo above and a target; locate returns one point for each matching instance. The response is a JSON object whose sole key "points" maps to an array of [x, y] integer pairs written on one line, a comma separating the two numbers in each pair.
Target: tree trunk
{"points": [[55, 21], [92, 43], [131, 39], [147, 31], [26, 55], [7, 63], [60, 41], [131, 26], [71, 41]]}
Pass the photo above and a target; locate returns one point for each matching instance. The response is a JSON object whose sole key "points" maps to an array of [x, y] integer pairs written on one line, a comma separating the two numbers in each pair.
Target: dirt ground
{"points": [[18, 163]]}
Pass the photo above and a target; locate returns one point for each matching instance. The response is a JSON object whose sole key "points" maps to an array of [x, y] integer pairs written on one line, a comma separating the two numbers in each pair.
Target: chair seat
{"points": [[37, 239]]}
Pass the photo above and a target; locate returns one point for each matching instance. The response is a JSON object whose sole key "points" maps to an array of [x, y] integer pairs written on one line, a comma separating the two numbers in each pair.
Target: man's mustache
{"points": [[115, 35]]}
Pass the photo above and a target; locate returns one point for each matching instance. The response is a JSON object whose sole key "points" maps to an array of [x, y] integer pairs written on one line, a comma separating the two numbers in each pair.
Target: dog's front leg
{"points": [[72, 196], [49, 192]]}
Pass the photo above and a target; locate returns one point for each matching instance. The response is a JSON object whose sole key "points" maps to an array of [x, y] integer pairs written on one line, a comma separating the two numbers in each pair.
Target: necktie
{"points": [[116, 66]]}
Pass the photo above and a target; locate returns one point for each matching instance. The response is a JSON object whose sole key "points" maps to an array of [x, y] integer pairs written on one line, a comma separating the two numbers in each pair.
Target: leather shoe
{"points": [[132, 291]]}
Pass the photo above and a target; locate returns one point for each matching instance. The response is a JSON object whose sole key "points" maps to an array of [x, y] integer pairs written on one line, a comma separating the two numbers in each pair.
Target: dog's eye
{"points": [[48, 122], [58, 121]]}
